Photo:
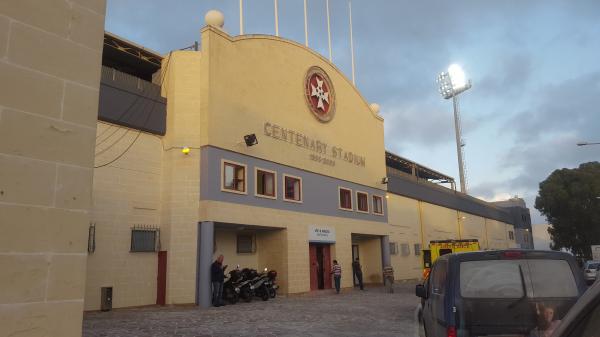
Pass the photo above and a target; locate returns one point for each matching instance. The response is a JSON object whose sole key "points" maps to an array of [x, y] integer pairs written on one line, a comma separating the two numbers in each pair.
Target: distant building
{"points": [[522, 220]]}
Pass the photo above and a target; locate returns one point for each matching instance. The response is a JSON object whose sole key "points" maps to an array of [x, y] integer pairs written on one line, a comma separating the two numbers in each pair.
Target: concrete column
{"points": [[385, 251], [205, 253]]}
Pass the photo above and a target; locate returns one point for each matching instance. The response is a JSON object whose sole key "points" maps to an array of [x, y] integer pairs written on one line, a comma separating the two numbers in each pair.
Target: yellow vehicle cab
{"points": [[438, 248]]}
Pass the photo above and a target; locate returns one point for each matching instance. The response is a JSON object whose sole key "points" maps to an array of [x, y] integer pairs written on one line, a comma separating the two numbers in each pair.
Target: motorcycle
{"points": [[270, 283], [257, 284], [231, 287]]}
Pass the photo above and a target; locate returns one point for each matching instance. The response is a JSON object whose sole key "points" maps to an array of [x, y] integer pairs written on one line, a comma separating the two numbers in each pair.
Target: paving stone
{"points": [[372, 312]]}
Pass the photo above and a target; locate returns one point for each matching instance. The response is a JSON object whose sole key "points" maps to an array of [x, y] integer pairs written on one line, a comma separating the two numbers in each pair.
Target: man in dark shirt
{"points": [[217, 276], [358, 273]]}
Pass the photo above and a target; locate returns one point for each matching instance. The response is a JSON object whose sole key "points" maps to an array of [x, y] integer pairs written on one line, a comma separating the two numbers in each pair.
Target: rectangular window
{"points": [[292, 188], [245, 244], [511, 235], [362, 202], [377, 204], [234, 177], [345, 196], [144, 239], [405, 249], [92, 237], [265, 183], [417, 249], [393, 248]]}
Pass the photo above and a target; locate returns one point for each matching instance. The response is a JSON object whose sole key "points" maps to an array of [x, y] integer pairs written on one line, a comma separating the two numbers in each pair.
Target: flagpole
{"points": [[241, 17], [277, 19], [351, 42], [305, 26], [328, 31]]}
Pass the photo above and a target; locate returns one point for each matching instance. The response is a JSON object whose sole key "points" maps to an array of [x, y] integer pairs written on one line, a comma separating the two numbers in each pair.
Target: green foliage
{"points": [[570, 201]]}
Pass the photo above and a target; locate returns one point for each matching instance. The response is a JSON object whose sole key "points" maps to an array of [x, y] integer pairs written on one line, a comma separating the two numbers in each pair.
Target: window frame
{"points": [[351, 209], [156, 248], [266, 196], [285, 175], [368, 204], [373, 196], [233, 163], [253, 243]]}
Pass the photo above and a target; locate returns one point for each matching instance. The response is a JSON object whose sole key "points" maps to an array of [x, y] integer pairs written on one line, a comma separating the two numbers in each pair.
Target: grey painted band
{"points": [[319, 193]]}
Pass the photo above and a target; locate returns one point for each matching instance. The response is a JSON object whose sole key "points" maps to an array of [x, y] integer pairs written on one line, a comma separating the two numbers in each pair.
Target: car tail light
{"points": [[512, 254], [451, 331]]}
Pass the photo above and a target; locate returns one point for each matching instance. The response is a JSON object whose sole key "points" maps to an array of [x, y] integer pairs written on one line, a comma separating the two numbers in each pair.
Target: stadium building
{"points": [[260, 149]]}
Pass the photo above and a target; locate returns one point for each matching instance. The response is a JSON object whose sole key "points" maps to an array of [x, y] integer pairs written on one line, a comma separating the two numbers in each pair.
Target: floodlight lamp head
{"points": [[458, 79]]}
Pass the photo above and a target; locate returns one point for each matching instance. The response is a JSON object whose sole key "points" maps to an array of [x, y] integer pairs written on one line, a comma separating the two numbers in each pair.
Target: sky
{"points": [[534, 66]]}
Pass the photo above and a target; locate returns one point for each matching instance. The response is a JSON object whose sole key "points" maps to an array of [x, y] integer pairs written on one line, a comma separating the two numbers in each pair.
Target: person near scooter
{"points": [[217, 276]]}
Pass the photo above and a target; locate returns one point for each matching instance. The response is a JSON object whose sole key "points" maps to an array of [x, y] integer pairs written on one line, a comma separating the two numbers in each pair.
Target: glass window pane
{"points": [[552, 278], [239, 178], [228, 177], [292, 189], [362, 202], [345, 199], [491, 279]]}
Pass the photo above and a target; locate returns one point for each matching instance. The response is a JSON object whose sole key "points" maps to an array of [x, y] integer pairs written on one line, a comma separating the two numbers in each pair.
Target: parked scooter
{"points": [[270, 283], [246, 286], [257, 283], [231, 287]]}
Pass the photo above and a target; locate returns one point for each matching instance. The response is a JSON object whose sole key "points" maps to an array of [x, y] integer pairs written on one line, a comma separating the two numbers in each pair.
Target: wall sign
{"points": [[319, 94], [322, 234], [320, 149]]}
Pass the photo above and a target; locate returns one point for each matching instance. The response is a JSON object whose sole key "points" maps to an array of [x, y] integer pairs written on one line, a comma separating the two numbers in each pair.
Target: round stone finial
{"points": [[214, 18], [374, 107]]}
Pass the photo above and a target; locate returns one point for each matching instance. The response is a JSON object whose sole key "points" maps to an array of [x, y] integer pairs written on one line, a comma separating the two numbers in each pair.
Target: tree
{"points": [[570, 201]]}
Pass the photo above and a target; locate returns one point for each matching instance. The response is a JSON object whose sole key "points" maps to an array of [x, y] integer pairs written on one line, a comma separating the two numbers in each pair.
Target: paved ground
{"points": [[352, 313]]}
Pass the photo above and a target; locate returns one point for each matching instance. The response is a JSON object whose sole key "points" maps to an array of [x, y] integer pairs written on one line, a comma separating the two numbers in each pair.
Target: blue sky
{"points": [[535, 68]]}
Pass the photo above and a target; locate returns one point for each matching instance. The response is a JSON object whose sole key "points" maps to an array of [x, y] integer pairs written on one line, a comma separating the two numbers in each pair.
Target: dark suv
{"points": [[502, 293]]}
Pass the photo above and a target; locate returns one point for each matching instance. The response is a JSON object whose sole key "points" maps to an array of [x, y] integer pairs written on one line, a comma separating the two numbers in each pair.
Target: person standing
{"points": [[357, 269], [217, 276], [336, 270]]}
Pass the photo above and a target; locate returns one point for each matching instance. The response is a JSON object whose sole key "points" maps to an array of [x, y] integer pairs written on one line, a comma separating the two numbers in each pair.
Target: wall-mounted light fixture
{"points": [[250, 139], [185, 150], [384, 180]]}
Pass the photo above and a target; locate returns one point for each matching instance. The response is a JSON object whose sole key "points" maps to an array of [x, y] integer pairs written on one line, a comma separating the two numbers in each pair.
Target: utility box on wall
{"points": [[106, 298]]}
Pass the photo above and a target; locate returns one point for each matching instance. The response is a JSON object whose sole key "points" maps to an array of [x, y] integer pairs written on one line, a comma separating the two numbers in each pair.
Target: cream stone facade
{"points": [[50, 54], [239, 86]]}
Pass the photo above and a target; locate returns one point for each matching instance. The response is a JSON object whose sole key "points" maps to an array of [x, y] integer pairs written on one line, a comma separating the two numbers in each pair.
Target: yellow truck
{"points": [[438, 248]]}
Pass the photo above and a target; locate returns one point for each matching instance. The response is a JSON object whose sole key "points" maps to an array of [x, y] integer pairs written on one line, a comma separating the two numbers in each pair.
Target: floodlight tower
{"points": [[453, 82]]}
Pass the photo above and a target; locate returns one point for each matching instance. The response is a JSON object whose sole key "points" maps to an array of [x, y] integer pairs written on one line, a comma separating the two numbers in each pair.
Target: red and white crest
{"points": [[319, 94]]}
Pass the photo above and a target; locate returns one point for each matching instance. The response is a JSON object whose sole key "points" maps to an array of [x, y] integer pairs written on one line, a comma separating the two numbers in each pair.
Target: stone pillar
{"points": [[205, 253], [385, 251], [48, 116]]}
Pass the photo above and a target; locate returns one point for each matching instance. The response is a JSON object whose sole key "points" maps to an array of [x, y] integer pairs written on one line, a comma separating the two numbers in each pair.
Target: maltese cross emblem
{"points": [[319, 94]]}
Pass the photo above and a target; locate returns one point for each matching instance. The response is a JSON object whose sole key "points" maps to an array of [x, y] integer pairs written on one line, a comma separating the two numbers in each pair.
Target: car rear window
{"points": [[490, 279], [501, 279]]}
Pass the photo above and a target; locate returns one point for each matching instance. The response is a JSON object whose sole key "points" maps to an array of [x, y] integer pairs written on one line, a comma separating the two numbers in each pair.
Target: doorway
{"points": [[161, 278], [320, 266], [355, 256]]}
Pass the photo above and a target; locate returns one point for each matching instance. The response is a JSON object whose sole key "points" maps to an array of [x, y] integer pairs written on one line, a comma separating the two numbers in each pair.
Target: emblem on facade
{"points": [[319, 94]]}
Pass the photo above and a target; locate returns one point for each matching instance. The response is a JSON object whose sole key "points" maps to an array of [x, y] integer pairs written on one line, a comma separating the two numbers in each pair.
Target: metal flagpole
{"points": [[305, 26], [241, 17], [276, 19], [351, 42], [328, 31]]}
